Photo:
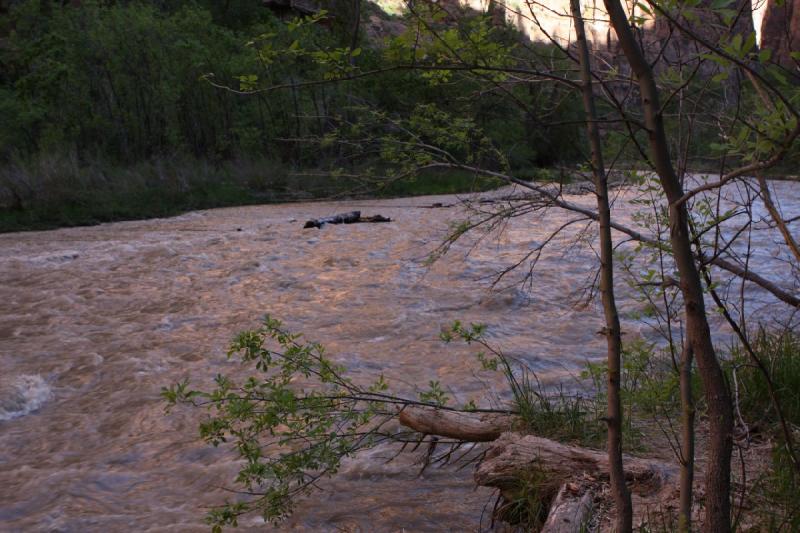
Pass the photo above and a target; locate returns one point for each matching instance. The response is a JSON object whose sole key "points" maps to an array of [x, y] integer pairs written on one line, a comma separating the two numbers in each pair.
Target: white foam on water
{"points": [[22, 395]]}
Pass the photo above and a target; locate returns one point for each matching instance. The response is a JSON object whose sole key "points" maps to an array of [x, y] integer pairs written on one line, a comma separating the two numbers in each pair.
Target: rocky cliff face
{"points": [[549, 19], [780, 30], [667, 40]]}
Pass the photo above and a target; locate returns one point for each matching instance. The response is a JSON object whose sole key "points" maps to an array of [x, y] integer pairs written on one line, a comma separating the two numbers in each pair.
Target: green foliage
{"points": [[49, 191], [295, 420], [471, 41], [781, 355], [111, 84], [529, 499], [300, 415], [435, 395], [431, 71], [121, 80], [130, 80], [438, 181], [554, 414], [781, 487], [649, 387], [290, 425]]}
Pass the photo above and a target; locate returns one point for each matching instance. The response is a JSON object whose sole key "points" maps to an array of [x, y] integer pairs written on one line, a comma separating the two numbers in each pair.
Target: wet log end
{"points": [[570, 511]]}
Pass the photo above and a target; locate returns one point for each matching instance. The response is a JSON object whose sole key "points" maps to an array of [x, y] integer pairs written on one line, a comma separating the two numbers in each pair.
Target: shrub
{"points": [[780, 353]]}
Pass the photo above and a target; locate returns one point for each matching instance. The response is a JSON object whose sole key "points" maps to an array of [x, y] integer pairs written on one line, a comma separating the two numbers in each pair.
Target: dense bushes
{"points": [[123, 85], [779, 352], [122, 81], [113, 84]]}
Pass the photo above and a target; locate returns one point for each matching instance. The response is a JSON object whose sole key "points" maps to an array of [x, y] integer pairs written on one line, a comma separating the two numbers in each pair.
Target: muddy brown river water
{"points": [[95, 320]]}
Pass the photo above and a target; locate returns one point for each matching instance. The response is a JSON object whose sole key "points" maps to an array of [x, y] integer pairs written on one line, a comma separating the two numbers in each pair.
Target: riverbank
{"points": [[63, 192]]}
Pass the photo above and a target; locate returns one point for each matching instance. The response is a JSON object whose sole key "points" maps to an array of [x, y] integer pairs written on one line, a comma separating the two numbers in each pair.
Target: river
{"points": [[95, 320]]}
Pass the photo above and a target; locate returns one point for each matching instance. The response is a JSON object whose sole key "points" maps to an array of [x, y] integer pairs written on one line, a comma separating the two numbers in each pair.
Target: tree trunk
{"points": [[777, 218], [697, 329], [356, 27], [622, 498], [687, 440]]}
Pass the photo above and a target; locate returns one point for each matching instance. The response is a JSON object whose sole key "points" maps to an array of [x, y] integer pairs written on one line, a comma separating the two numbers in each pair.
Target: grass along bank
{"points": [[59, 190]]}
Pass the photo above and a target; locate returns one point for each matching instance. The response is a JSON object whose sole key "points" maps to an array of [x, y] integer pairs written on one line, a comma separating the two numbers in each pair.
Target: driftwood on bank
{"points": [[353, 217], [576, 470], [514, 452], [459, 425]]}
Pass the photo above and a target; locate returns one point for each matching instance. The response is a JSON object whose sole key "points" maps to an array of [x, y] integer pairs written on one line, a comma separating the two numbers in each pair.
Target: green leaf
{"points": [[644, 8], [749, 43], [736, 42], [728, 15], [721, 76]]}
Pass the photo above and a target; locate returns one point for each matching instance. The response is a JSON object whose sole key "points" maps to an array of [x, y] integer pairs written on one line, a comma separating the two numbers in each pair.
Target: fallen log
{"points": [[459, 425], [513, 453], [352, 217], [579, 472]]}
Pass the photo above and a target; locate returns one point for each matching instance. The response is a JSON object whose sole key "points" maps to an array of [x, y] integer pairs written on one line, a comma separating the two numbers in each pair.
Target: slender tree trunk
{"points": [[356, 27], [717, 518], [777, 218], [687, 440], [622, 498]]}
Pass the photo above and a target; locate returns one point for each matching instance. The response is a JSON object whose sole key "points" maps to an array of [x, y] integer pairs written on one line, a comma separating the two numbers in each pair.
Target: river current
{"points": [[95, 320]]}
